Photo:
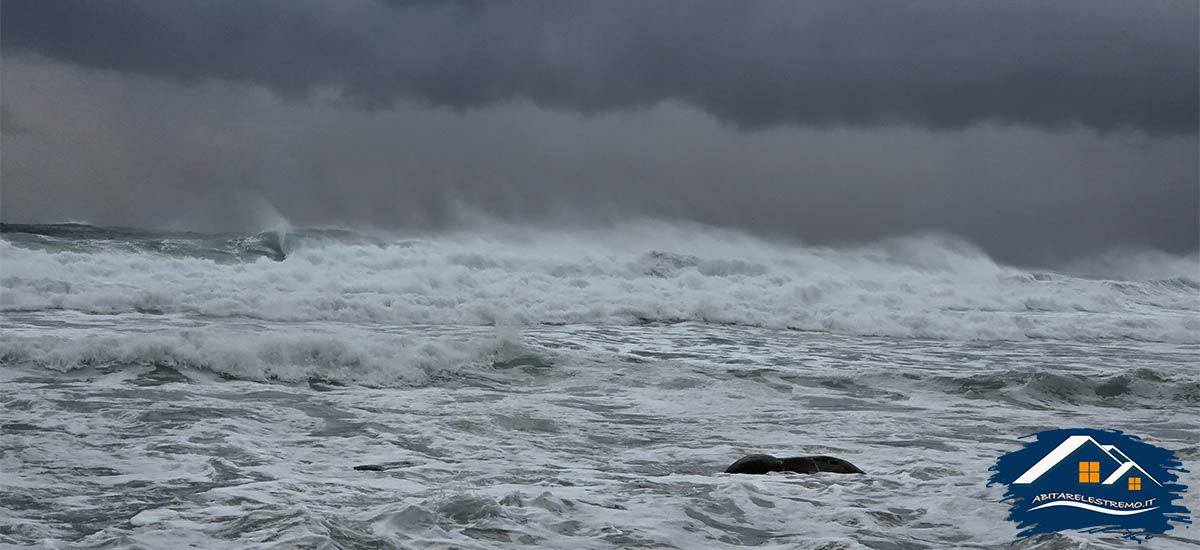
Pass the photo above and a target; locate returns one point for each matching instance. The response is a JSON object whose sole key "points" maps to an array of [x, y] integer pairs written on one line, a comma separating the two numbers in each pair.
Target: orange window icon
{"points": [[1135, 484], [1089, 472]]}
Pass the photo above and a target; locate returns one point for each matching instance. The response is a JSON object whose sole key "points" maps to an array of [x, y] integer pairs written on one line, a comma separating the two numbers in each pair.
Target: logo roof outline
{"points": [[1125, 468], [1060, 453]]}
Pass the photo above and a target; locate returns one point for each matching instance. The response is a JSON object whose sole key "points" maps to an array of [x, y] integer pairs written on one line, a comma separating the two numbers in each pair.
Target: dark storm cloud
{"points": [[937, 64], [112, 149]]}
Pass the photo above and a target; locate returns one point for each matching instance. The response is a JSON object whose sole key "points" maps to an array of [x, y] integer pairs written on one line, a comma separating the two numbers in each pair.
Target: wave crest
{"points": [[344, 358], [928, 286]]}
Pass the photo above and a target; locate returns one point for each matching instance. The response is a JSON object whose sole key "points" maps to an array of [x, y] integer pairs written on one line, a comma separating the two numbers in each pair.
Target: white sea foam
{"points": [[277, 353], [227, 396], [619, 443], [926, 286]]}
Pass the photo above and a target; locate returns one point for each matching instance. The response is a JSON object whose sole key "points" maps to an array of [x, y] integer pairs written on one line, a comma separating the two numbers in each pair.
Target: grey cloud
{"points": [[136, 151], [9, 123], [939, 64]]}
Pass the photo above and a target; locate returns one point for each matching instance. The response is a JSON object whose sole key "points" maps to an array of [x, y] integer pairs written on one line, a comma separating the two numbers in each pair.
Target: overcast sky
{"points": [[1039, 130]]}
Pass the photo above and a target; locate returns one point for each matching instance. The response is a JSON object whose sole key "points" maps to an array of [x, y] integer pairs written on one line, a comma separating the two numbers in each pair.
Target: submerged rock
{"points": [[384, 466]]}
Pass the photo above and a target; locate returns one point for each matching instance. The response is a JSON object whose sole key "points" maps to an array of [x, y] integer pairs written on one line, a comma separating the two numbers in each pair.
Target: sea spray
{"points": [[922, 286]]}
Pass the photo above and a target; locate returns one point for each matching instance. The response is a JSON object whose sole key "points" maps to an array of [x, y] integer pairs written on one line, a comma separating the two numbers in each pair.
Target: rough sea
{"points": [[575, 389]]}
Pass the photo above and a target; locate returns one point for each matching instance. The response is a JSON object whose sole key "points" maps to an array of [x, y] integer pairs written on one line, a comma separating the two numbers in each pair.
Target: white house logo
{"points": [[1125, 473], [1091, 480]]}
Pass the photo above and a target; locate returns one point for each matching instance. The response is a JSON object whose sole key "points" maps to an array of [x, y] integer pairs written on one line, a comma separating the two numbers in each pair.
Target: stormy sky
{"points": [[1038, 130]]}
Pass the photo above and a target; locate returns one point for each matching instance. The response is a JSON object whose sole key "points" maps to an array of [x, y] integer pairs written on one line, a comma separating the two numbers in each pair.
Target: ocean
{"points": [[562, 389]]}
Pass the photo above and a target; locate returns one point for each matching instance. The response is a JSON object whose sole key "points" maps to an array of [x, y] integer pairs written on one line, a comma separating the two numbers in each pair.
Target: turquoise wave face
{"points": [[221, 247]]}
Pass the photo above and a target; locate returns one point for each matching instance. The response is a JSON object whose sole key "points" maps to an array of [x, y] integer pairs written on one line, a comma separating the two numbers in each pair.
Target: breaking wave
{"points": [[374, 360], [1141, 387], [928, 286], [73, 237]]}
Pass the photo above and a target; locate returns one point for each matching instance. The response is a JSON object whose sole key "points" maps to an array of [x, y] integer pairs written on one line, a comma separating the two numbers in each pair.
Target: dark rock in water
{"points": [[755, 464], [762, 464], [384, 466], [825, 464]]}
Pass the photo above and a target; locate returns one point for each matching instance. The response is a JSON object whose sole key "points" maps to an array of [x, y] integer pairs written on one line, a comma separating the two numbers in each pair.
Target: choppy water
{"points": [[162, 391]]}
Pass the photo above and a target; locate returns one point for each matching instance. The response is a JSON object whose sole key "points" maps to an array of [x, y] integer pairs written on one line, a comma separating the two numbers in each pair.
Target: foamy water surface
{"points": [[565, 391]]}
